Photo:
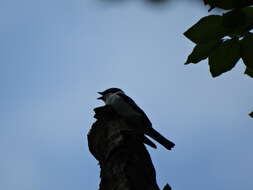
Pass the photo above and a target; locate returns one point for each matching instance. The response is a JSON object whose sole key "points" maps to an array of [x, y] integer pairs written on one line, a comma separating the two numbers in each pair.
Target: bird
{"points": [[125, 107]]}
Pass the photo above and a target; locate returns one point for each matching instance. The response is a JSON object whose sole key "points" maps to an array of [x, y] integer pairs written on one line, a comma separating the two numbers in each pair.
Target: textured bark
{"points": [[124, 160]]}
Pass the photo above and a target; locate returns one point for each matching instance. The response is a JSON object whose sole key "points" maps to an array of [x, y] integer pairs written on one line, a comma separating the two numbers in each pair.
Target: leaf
{"points": [[224, 58], [167, 187], [251, 114], [248, 11], [228, 4], [223, 4], [233, 18], [247, 51], [249, 72], [238, 21], [202, 51], [207, 29]]}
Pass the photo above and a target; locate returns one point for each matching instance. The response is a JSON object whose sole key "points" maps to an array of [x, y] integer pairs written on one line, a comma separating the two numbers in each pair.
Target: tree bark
{"points": [[124, 160]]}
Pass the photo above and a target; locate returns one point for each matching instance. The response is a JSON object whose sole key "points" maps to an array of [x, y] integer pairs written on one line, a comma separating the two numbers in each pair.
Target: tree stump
{"points": [[124, 160]]}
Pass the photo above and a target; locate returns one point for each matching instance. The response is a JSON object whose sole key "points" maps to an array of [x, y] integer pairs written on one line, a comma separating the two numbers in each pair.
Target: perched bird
{"points": [[128, 109]]}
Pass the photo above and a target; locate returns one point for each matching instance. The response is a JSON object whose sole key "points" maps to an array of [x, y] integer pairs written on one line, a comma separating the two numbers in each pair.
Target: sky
{"points": [[56, 54]]}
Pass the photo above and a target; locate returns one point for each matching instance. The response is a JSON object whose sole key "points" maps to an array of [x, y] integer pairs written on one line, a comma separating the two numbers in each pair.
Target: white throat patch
{"points": [[111, 97]]}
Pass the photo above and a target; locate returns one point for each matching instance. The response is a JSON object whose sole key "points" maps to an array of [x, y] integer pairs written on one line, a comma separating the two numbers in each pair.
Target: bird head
{"points": [[108, 92]]}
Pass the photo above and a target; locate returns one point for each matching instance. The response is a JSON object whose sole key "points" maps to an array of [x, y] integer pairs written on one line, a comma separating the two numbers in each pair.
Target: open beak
{"points": [[101, 97]]}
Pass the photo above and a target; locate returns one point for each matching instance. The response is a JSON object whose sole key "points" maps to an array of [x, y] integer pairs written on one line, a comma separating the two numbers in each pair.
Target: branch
{"points": [[124, 160]]}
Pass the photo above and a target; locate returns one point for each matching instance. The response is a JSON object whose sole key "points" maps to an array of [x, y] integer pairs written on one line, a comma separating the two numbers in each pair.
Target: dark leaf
{"points": [[248, 12], [207, 29], [249, 72], [228, 4], [247, 50], [251, 114], [223, 4], [233, 18], [167, 187], [224, 58], [211, 3], [202, 51], [238, 21]]}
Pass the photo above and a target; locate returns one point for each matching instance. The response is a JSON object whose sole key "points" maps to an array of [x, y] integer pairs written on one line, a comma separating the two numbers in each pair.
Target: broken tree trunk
{"points": [[124, 160]]}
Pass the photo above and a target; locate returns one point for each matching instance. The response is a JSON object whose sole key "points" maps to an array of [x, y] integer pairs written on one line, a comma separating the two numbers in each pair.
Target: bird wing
{"points": [[135, 107], [151, 132]]}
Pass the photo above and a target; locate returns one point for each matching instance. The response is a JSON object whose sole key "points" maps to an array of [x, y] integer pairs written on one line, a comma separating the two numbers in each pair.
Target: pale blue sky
{"points": [[55, 55]]}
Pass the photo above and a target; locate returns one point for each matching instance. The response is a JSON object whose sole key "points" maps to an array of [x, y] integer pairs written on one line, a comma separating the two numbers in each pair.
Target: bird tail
{"points": [[147, 141], [159, 138]]}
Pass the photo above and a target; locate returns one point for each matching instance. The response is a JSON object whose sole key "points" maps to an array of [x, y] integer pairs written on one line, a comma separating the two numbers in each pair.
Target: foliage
{"points": [[227, 4], [167, 187], [224, 39]]}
